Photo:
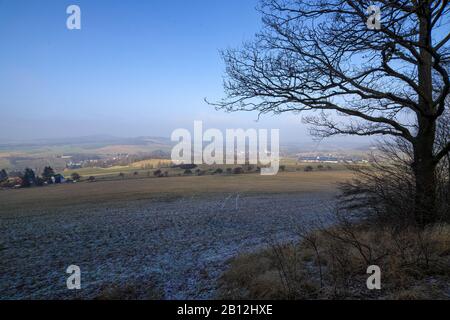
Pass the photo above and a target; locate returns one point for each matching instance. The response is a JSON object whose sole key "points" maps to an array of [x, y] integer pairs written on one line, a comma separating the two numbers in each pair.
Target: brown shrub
{"points": [[332, 263]]}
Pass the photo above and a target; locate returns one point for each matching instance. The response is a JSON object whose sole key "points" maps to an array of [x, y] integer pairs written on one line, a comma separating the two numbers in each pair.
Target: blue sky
{"points": [[135, 68]]}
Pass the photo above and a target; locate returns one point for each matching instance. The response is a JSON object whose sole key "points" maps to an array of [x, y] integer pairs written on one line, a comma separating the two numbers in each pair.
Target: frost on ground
{"points": [[182, 245]]}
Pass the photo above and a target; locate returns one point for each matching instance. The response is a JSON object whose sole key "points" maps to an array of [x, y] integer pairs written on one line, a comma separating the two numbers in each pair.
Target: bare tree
{"points": [[324, 55], [443, 139]]}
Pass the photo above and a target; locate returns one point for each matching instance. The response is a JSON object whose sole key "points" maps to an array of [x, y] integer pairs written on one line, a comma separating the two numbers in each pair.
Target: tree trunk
{"points": [[425, 176], [424, 165]]}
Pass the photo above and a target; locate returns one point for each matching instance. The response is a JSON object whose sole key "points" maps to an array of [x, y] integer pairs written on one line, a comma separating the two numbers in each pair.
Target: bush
{"points": [[39, 181], [29, 178], [384, 191], [320, 167], [229, 170], [308, 169], [282, 168], [75, 176], [91, 179], [48, 173], [3, 175], [218, 171], [158, 173], [188, 172], [238, 170], [331, 263], [188, 166]]}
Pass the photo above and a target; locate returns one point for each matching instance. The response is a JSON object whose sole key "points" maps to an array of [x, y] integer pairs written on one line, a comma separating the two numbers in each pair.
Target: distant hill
{"points": [[59, 152], [16, 155], [96, 141]]}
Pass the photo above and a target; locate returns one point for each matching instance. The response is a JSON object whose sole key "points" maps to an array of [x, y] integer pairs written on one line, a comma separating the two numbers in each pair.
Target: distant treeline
{"points": [[28, 178]]}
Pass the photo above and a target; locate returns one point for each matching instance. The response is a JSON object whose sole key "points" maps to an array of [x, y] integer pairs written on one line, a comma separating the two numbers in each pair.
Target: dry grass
{"points": [[56, 196], [414, 265], [259, 276]]}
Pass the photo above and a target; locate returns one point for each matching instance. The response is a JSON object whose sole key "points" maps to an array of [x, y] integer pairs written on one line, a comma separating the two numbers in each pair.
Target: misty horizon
{"points": [[67, 84], [305, 143]]}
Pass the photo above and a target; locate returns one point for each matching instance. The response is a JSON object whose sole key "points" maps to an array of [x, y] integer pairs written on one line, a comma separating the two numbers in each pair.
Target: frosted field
{"points": [[179, 246]]}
